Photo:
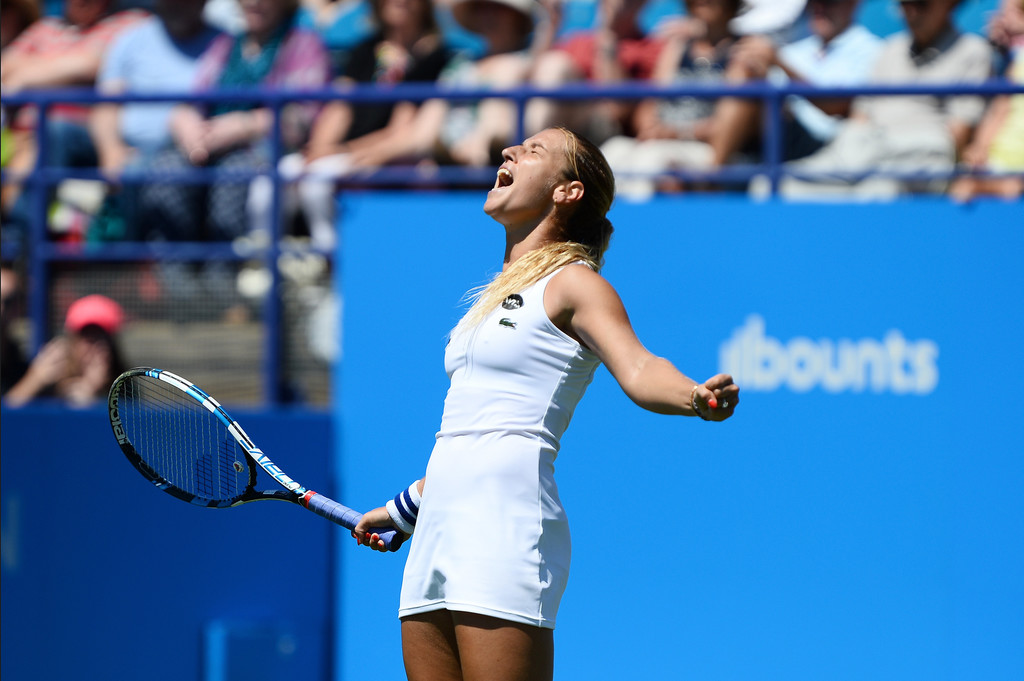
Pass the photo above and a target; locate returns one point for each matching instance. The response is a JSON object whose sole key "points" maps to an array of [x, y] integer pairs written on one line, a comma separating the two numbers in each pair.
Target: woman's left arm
{"points": [[584, 305]]}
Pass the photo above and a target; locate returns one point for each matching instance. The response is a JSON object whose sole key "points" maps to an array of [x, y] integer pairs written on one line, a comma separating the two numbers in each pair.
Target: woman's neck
{"points": [[406, 36], [262, 37], [716, 33], [257, 41], [503, 44], [520, 241]]}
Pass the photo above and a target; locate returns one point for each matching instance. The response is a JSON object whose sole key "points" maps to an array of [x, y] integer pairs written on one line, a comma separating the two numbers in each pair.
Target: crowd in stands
{"points": [[867, 146], [904, 134], [862, 147]]}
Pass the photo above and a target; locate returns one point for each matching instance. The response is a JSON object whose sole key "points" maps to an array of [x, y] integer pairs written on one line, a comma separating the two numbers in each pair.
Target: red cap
{"points": [[94, 309]]}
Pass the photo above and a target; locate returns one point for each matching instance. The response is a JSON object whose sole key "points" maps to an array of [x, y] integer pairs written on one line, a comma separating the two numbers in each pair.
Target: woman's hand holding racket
{"points": [[366, 531]]}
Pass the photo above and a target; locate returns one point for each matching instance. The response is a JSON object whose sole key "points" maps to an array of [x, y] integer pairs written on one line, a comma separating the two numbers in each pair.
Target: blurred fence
{"points": [[258, 323]]}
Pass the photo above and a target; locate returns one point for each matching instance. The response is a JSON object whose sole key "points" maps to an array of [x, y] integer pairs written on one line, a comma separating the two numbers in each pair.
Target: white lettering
{"points": [[893, 364]]}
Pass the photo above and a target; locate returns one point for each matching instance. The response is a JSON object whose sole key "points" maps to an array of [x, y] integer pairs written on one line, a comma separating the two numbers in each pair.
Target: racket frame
{"points": [[292, 492]]}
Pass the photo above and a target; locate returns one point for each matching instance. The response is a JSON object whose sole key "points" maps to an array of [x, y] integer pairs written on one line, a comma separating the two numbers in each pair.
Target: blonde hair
{"points": [[583, 237]]}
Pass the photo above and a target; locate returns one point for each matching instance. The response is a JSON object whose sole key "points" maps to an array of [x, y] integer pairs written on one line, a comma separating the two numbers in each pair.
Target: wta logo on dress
{"points": [[892, 364]]}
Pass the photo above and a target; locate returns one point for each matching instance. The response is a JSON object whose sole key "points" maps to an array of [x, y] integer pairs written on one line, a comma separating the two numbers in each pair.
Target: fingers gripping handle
{"points": [[344, 516]]}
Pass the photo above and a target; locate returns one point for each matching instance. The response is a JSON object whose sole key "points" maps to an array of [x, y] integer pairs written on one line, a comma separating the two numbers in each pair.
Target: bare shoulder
{"points": [[578, 292], [577, 284], [584, 305]]}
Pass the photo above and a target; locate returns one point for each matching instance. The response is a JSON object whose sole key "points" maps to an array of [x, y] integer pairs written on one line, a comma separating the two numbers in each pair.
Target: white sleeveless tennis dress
{"points": [[492, 537]]}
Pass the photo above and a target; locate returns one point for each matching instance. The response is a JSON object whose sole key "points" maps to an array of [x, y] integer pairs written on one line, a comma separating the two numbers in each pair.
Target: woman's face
{"points": [[926, 19], [711, 12], [85, 12], [523, 189], [504, 28], [263, 16], [181, 18], [829, 18], [88, 351], [403, 12]]}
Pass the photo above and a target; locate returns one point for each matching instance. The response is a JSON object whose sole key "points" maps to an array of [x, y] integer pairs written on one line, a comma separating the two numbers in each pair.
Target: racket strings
{"points": [[182, 441]]}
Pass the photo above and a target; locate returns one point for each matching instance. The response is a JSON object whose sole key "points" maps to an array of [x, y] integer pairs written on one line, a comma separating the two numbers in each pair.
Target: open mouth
{"points": [[504, 178]]}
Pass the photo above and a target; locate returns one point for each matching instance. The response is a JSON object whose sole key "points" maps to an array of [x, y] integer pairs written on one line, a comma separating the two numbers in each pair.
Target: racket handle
{"points": [[344, 516]]}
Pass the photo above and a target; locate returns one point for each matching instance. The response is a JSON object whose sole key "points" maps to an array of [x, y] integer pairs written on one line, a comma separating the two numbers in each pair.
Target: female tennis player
{"points": [[490, 558]]}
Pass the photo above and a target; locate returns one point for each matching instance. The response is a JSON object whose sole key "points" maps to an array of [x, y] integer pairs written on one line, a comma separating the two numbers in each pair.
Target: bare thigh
{"points": [[429, 647], [454, 646]]}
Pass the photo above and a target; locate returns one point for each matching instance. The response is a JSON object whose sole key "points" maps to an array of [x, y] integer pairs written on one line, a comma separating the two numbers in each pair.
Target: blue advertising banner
{"points": [[861, 517]]}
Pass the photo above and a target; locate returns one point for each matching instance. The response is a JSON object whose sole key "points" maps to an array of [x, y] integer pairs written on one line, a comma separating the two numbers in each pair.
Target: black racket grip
{"points": [[345, 516]]}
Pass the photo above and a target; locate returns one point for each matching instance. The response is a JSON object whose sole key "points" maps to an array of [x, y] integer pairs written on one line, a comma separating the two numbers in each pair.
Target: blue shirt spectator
{"points": [[150, 59], [158, 55], [846, 59], [838, 52]]}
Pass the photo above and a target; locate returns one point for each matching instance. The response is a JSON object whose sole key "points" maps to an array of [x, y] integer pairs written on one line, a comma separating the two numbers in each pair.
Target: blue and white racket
{"points": [[184, 442]]}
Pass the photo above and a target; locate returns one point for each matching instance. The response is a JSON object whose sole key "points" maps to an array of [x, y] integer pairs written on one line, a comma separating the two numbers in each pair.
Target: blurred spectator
{"points": [[838, 52], [903, 134], [18, 149], [160, 54], [234, 136], [997, 148], [341, 24], [78, 366], [1006, 28], [13, 364], [677, 133], [60, 52], [614, 51], [64, 51], [407, 48], [473, 134]]}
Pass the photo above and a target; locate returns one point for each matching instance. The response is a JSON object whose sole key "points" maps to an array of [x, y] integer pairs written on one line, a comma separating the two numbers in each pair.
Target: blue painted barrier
{"points": [[106, 577]]}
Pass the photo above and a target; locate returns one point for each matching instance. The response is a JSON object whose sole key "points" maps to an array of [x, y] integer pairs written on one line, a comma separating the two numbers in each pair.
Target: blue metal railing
{"points": [[42, 252]]}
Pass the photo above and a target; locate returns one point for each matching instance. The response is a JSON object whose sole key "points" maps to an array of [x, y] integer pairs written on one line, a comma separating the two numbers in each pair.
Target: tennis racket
{"points": [[184, 442]]}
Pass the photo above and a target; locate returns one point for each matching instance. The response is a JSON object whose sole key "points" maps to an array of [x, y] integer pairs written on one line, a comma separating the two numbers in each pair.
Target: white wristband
{"points": [[404, 508]]}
